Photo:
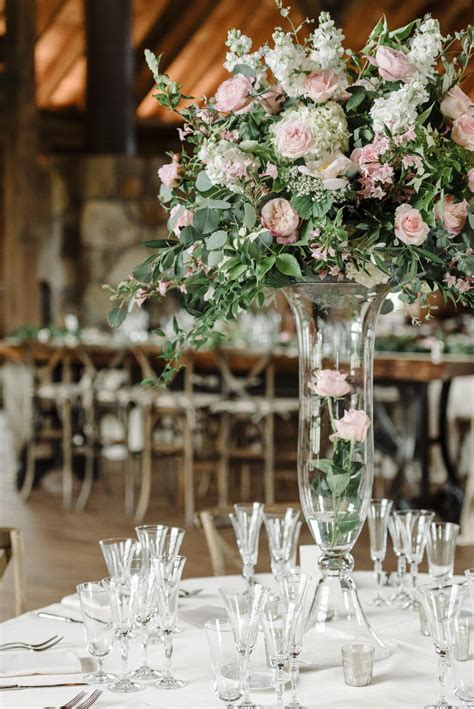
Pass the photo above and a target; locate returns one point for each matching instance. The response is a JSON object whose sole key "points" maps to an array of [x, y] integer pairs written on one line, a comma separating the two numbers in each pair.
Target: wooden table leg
{"points": [[146, 467]]}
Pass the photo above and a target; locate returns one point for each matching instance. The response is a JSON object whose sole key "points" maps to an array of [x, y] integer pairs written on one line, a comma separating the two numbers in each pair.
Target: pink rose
{"points": [[330, 382], [463, 131], [353, 426], [454, 215], [233, 95], [321, 85], [171, 173], [273, 99], [179, 218], [393, 65], [409, 225], [293, 139], [470, 179], [279, 217], [455, 103]]}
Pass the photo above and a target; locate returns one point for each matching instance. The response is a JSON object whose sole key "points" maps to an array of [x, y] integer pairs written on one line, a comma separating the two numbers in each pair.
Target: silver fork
{"points": [[72, 702], [39, 647], [90, 700]]}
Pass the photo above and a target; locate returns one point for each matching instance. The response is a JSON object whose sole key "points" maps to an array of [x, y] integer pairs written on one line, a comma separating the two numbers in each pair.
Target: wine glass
{"points": [[441, 548], [168, 570], [246, 521], [281, 530], [123, 597], [145, 613], [379, 514], [277, 623], [243, 606], [442, 605], [395, 529], [118, 552], [414, 525], [224, 660], [98, 627], [294, 593]]}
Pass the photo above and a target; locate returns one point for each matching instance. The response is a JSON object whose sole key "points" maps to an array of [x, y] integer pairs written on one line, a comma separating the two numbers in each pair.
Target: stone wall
{"points": [[95, 212]]}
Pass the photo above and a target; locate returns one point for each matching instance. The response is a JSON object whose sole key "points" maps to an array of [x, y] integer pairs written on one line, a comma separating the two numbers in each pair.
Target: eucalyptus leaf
{"points": [[215, 257], [250, 216], [116, 317], [217, 240], [206, 220], [203, 183]]}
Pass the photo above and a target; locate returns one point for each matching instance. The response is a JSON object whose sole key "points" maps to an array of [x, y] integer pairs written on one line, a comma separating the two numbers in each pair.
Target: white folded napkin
{"points": [[49, 662]]}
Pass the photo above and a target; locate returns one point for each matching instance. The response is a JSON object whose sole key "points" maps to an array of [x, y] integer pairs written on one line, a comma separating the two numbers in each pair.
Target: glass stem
{"points": [[248, 573], [378, 576], [168, 640], [100, 666], [124, 655], [401, 569], [244, 678], [442, 673], [145, 647], [279, 685], [294, 671], [414, 576]]}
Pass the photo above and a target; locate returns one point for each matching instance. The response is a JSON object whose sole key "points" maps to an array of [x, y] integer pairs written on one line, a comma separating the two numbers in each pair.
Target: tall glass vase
{"points": [[335, 323]]}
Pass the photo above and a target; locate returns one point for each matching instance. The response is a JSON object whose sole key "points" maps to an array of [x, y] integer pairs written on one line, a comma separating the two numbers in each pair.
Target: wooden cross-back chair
{"points": [[12, 552]]}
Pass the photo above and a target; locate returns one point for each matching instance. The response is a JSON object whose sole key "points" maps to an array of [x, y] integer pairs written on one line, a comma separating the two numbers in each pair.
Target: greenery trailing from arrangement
{"points": [[316, 162]]}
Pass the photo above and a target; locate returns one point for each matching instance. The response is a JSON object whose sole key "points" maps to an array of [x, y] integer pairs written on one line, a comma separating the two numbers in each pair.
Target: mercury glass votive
{"points": [[358, 664]]}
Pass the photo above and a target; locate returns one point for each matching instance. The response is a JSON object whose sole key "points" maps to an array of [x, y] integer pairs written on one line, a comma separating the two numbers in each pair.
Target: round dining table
{"points": [[407, 678]]}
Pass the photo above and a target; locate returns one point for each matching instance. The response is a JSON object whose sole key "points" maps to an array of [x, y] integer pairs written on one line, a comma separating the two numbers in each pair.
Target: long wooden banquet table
{"points": [[408, 678]]}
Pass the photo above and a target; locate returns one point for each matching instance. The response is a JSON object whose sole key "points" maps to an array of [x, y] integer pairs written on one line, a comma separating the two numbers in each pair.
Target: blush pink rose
{"points": [[233, 95], [463, 131], [273, 99], [279, 217], [353, 426], [293, 139], [393, 65], [179, 218], [171, 173], [321, 85], [455, 103], [454, 215], [409, 225], [330, 382], [470, 179]]}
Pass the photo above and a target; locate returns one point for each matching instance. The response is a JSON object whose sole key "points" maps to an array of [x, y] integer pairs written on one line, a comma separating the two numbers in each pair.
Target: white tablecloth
{"points": [[406, 679]]}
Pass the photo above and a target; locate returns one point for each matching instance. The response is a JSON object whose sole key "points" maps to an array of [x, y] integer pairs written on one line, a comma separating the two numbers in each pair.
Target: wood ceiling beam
{"points": [[72, 49], [46, 13]]}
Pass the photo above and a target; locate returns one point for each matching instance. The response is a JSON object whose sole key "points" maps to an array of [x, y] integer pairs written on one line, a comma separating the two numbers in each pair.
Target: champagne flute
{"points": [[277, 623], [246, 521], [168, 570], [281, 530], [145, 613], [414, 525], [118, 553], [401, 596], [379, 514], [98, 627]]}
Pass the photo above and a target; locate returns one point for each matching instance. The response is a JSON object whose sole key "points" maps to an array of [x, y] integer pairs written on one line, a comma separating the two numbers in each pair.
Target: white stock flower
{"points": [[326, 124], [239, 53], [425, 47], [226, 164], [289, 64], [398, 111], [327, 44]]}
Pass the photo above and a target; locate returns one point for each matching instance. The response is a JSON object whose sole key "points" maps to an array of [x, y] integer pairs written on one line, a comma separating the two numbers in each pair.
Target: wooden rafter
{"points": [[46, 14]]}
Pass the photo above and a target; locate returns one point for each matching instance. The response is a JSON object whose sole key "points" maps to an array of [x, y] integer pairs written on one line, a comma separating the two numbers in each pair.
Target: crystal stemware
{"points": [[442, 606], [469, 574], [281, 531], [246, 521], [414, 525], [118, 552], [394, 527], [462, 658], [441, 548], [294, 592], [379, 514], [145, 613], [123, 597], [225, 660], [151, 538], [277, 623], [243, 606], [168, 571], [98, 627]]}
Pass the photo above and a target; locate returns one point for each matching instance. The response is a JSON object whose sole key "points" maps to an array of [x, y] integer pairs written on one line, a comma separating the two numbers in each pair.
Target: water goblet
{"points": [[277, 623], [394, 527], [145, 613], [98, 627], [441, 547], [414, 525], [123, 596], [246, 521], [168, 571], [243, 606], [118, 553], [442, 606], [224, 660], [281, 531], [379, 514], [294, 592]]}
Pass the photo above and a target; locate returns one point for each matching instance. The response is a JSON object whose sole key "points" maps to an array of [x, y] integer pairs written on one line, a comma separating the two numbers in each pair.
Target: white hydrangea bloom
{"points": [[289, 64], [399, 110], [327, 45], [226, 164], [425, 47], [239, 53], [327, 124]]}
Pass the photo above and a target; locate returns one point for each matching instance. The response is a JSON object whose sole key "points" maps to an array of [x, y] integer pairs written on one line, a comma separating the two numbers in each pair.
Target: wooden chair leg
{"points": [[67, 454], [29, 480], [146, 467], [245, 482], [18, 557], [188, 474], [223, 462], [269, 480], [88, 480]]}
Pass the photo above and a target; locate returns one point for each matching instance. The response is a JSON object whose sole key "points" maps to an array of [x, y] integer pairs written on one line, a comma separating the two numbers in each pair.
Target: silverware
{"points": [[14, 687], [56, 616], [40, 647], [91, 700], [75, 700]]}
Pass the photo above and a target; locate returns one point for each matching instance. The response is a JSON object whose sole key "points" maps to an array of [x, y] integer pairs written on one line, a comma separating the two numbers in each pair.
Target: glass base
{"points": [[126, 685], [379, 602], [411, 605], [146, 673], [399, 598], [441, 706], [99, 677], [170, 683], [295, 705], [336, 618]]}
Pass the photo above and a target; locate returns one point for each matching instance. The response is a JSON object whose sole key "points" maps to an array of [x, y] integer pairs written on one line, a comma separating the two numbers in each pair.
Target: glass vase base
{"points": [[170, 683], [379, 602], [99, 677], [126, 686], [336, 618]]}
